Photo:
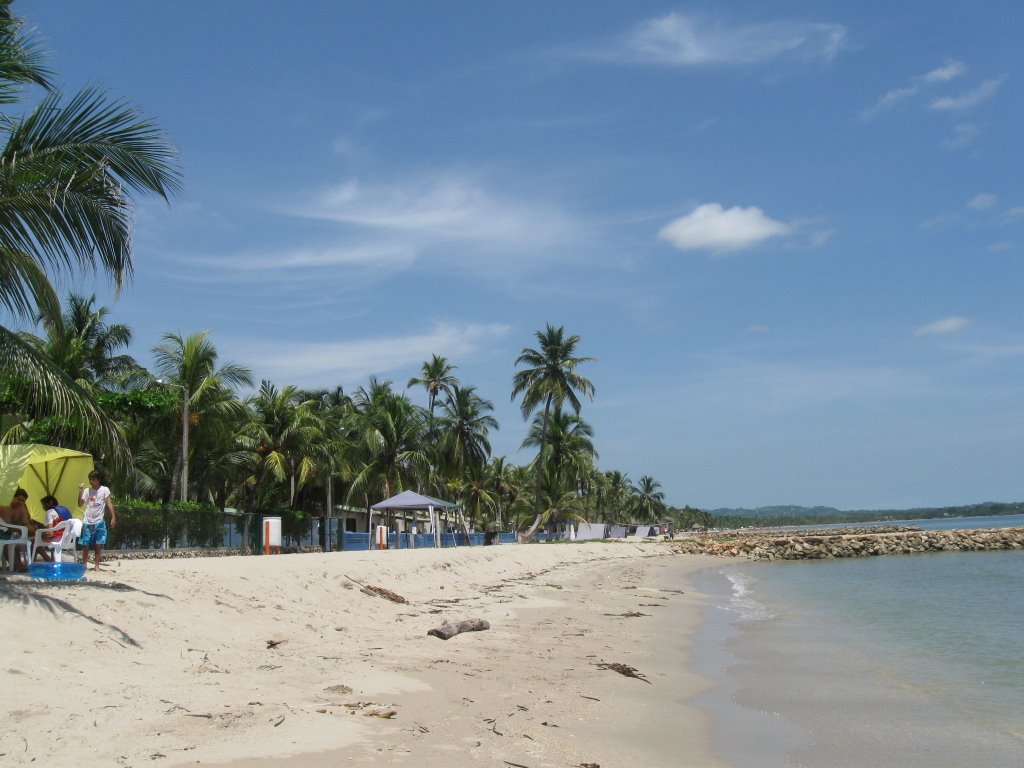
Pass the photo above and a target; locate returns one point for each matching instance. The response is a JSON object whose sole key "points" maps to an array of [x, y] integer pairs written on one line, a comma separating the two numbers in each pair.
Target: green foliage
{"points": [[765, 517]]}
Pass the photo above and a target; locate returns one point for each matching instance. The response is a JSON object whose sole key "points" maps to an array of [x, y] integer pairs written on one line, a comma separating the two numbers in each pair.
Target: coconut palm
{"points": [[287, 432], [618, 495], [648, 501], [570, 448], [388, 429], [84, 346], [68, 173], [190, 363], [556, 503], [549, 380], [435, 377], [465, 422]]}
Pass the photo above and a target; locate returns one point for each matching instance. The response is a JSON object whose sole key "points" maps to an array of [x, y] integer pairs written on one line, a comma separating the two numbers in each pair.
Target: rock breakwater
{"points": [[816, 547]]}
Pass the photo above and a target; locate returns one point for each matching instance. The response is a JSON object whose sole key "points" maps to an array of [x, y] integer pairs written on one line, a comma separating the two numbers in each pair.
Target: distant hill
{"points": [[796, 515]]}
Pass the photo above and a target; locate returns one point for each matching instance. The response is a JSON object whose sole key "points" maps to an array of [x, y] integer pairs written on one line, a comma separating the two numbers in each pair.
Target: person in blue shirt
{"points": [[55, 514]]}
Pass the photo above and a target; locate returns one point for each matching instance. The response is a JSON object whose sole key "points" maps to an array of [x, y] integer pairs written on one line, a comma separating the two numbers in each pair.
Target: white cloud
{"points": [[757, 328], [944, 326], [1001, 246], [946, 72], [446, 208], [346, 361], [713, 228], [1013, 214], [888, 101], [967, 100], [982, 201], [963, 136], [687, 41]]}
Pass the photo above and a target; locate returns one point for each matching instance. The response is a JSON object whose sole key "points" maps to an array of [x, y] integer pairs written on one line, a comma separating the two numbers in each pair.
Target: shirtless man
{"points": [[17, 514]]}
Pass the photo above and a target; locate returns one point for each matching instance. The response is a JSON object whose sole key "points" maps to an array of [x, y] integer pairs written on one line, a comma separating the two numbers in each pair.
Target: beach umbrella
{"points": [[43, 470]]}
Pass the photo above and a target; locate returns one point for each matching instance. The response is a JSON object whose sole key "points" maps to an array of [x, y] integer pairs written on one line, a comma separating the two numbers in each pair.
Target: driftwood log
{"points": [[447, 631]]}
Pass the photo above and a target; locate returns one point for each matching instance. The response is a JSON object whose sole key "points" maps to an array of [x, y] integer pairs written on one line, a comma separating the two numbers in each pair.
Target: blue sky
{"points": [[790, 233]]}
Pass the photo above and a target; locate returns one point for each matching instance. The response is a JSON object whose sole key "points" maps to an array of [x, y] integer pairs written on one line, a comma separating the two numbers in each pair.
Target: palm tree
{"points": [[287, 432], [84, 346], [570, 448], [388, 430], [436, 377], [549, 380], [190, 363], [68, 172], [619, 492], [465, 422], [648, 501]]}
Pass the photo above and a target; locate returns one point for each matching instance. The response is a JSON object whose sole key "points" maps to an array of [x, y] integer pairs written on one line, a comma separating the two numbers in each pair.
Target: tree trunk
{"points": [[532, 532], [447, 631]]}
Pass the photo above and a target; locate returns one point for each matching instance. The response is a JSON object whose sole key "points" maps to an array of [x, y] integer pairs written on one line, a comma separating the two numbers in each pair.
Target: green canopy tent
{"points": [[43, 470]]}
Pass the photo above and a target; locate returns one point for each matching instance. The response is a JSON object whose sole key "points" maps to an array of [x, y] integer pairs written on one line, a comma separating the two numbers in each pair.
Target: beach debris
{"points": [[589, 765], [515, 765], [448, 630], [384, 714], [494, 725], [628, 614], [280, 720], [275, 643], [338, 689], [592, 698], [550, 725], [624, 669], [371, 589], [554, 586]]}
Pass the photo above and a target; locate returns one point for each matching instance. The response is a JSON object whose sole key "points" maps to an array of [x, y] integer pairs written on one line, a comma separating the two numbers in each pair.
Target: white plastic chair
{"points": [[67, 535], [21, 539]]}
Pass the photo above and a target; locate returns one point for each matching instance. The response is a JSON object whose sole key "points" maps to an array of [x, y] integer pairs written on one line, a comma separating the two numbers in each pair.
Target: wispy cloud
{"points": [[950, 70], [971, 98], [982, 201], [710, 227], [943, 327], [946, 72], [682, 40], [446, 208], [354, 360], [963, 136]]}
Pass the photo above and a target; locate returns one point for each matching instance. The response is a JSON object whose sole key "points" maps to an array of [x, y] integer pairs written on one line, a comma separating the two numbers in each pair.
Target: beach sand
{"points": [[268, 661]]}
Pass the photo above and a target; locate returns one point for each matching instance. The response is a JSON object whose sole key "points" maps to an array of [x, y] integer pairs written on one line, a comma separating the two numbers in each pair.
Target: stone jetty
{"points": [[857, 544]]}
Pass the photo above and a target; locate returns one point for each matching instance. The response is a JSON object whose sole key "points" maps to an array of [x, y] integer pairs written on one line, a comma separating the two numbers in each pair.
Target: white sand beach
{"points": [[256, 660]]}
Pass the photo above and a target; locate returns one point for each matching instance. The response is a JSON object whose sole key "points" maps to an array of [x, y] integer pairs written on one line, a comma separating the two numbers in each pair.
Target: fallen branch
{"points": [[387, 594], [447, 631], [624, 669]]}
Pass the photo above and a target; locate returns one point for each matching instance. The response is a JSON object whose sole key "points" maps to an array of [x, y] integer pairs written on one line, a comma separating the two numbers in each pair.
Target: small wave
{"points": [[742, 602]]}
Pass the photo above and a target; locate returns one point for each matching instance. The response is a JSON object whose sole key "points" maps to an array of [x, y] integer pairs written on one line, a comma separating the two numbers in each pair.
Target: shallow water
{"points": [[914, 660]]}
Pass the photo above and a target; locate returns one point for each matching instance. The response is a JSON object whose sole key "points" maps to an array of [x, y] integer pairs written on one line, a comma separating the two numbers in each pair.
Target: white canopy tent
{"points": [[410, 500]]}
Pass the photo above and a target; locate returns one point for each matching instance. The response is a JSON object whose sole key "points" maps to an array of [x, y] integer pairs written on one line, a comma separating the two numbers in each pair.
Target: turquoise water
{"points": [[855, 661]]}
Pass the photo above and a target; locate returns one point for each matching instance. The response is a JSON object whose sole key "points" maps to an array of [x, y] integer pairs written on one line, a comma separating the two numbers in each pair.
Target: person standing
{"points": [[96, 499]]}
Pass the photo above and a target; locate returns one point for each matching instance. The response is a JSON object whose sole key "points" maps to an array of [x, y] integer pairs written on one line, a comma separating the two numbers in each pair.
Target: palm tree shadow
{"points": [[34, 593]]}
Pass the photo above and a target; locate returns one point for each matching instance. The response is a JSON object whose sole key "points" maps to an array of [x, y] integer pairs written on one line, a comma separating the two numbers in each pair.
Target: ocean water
{"points": [[902, 660]]}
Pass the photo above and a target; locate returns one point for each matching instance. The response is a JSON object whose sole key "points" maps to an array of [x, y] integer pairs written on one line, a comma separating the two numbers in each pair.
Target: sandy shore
{"points": [[255, 660]]}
